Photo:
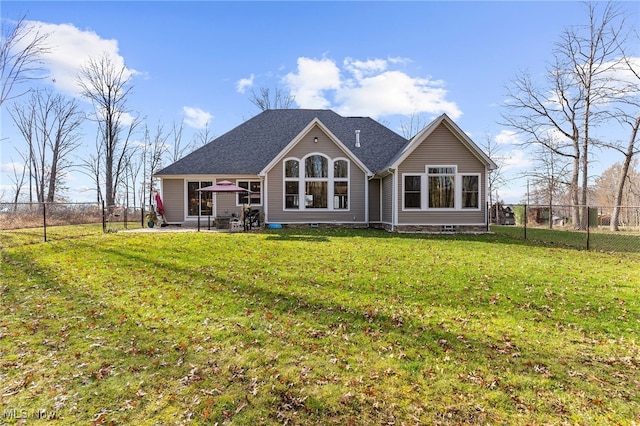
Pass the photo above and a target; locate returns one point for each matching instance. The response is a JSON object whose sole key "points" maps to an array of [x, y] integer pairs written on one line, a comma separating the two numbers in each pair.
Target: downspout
{"points": [[265, 198], [394, 201], [486, 202], [366, 199], [380, 204]]}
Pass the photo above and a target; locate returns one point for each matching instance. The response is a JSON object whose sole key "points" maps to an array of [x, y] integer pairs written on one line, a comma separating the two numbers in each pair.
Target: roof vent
{"points": [[357, 138]]}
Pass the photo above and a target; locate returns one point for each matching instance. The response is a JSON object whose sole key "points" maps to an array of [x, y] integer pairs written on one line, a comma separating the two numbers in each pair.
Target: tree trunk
{"points": [[615, 217], [575, 200]]}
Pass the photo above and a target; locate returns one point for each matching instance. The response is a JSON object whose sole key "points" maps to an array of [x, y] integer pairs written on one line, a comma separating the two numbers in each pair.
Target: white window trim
{"points": [[456, 203], [423, 179], [301, 179], [459, 202], [186, 195], [249, 180], [286, 179], [334, 179], [424, 191]]}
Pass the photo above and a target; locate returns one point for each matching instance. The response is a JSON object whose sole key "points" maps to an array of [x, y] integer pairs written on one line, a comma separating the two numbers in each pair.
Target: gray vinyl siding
{"points": [[357, 186], [442, 147], [225, 203], [387, 194], [173, 199], [374, 200]]}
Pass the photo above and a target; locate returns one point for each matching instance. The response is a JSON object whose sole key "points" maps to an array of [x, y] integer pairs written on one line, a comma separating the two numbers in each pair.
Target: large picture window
{"points": [[441, 184], [315, 195], [199, 202], [321, 184]]}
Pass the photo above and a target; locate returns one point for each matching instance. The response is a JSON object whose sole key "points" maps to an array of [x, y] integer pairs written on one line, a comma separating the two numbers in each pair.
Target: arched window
{"points": [[322, 183], [316, 182], [316, 166]]}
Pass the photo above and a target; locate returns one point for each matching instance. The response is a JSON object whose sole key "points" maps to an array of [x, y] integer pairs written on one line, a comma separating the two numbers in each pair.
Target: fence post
{"points": [[526, 218], [104, 218], [588, 229], [44, 220], [489, 214]]}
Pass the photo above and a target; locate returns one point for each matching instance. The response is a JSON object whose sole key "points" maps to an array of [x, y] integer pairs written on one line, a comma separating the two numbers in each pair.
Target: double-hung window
{"points": [[254, 197], [292, 184], [340, 184], [412, 192], [470, 191]]}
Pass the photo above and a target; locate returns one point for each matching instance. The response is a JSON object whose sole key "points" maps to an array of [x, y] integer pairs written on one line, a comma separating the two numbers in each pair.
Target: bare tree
{"points": [[629, 154], [627, 114], [202, 137], [18, 179], [91, 165], [496, 178], [265, 99], [22, 47], [108, 86], [411, 127], [156, 147], [178, 150], [551, 177], [49, 124], [575, 97]]}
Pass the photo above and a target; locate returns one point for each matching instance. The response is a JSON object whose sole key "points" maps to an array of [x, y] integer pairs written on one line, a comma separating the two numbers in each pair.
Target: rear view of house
{"points": [[317, 168]]}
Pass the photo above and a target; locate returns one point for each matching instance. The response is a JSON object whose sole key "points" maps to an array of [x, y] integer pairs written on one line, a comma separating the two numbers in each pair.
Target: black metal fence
{"points": [[37, 222], [556, 225], [553, 225]]}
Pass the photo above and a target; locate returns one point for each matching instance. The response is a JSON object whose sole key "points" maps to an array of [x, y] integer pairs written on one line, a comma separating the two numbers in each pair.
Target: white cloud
{"points": [[361, 69], [9, 168], [369, 88], [515, 159], [508, 137], [244, 83], [313, 78], [70, 49], [196, 118]]}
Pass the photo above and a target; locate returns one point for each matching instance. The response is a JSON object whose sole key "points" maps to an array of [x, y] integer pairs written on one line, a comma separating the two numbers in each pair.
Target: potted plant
{"points": [[152, 218]]}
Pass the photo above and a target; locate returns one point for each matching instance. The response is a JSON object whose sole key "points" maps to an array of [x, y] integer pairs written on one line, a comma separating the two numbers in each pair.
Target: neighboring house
{"points": [[317, 168]]}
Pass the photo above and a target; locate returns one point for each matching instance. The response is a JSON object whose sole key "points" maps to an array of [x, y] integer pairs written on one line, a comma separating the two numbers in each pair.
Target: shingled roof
{"points": [[248, 148]]}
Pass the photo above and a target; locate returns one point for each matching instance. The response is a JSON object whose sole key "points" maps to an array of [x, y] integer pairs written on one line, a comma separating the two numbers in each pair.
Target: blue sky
{"points": [[198, 61]]}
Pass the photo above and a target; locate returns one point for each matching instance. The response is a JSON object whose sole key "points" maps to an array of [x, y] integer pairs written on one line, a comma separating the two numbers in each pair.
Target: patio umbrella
{"points": [[160, 209], [221, 186], [159, 206]]}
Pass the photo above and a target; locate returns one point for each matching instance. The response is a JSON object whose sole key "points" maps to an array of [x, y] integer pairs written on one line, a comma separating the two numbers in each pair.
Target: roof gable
{"points": [[316, 123], [457, 132]]}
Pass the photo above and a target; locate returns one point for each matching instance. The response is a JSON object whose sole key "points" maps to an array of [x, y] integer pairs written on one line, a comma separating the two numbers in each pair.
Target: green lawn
{"points": [[317, 327]]}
